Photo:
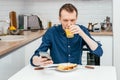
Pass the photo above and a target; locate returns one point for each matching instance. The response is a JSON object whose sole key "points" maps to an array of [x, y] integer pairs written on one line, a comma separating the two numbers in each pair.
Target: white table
{"points": [[81, 73]]}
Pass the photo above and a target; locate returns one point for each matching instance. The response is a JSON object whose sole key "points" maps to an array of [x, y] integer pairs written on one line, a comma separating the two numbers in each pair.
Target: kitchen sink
{"points": [[9, 38]]}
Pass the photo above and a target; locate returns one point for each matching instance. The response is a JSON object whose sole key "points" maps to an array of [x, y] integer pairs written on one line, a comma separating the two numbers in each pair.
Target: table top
{"points": [[81, 73]]}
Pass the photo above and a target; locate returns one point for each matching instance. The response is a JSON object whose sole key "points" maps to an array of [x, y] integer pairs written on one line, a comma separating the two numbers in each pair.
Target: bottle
{"points": [[13, 19], [49, 24]]}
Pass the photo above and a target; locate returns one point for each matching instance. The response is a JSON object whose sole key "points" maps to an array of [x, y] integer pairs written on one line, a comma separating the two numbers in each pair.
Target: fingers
{"points": [[47, 62], [36, 60], [41, 61], [74, 29]]}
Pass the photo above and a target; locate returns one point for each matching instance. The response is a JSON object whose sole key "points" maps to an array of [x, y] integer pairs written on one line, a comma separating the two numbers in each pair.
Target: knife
{"points": [[43, 67], [89, 67]]}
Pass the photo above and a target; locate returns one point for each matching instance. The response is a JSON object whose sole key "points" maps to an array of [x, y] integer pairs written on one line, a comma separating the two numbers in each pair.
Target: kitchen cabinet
{"points": [[30, 49], [17, 59], [11, 63], [107, 57], [17, 53]]}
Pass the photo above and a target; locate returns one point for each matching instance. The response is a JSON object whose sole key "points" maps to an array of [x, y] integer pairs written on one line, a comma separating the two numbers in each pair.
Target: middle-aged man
{"points": [[62, 48]]}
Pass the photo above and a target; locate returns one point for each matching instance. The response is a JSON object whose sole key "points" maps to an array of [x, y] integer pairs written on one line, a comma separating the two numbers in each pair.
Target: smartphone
{"points": [[45, 55]]}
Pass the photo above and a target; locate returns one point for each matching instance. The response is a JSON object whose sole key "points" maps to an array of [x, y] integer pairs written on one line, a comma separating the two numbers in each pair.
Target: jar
{"points": [[4, 27], [49, 24]]}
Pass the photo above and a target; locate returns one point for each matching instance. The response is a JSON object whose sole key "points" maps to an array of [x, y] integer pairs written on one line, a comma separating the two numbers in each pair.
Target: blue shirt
{"points": [[63, 49]]}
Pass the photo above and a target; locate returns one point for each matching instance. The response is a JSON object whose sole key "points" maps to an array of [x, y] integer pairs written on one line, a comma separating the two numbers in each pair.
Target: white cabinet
{"points": [[11, 63], [30, 48], [17, 59], [106, 41]]}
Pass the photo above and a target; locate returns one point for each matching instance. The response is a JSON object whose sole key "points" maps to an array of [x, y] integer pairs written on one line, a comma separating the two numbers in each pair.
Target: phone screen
{"points": [[45, 55]]}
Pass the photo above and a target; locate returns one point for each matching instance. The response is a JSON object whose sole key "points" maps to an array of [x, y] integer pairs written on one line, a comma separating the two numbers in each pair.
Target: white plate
{"points": [[66, 64]]}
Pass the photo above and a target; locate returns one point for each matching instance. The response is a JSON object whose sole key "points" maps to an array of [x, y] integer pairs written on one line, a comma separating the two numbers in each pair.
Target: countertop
{"points": [[6, 47], [80, 73], [102, 33]]}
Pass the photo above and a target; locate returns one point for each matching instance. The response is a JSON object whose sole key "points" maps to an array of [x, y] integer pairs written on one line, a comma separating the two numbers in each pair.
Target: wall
{"points": [[89, 10], [116, 33], [10, 5]]}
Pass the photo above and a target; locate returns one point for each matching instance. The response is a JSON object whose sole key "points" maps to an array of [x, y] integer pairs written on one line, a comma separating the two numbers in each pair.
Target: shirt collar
{"points": [[61, 29]]}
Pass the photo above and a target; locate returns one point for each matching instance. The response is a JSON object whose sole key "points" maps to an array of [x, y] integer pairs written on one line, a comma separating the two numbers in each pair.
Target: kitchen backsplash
{"points": [[7, 6], [89, 10]]}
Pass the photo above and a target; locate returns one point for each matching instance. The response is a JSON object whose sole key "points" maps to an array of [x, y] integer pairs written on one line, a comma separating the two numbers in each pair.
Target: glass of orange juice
{"points": [[69, 34]]}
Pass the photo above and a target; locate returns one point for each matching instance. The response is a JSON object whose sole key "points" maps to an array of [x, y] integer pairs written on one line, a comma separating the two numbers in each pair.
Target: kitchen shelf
{"points": [[102, 33]]}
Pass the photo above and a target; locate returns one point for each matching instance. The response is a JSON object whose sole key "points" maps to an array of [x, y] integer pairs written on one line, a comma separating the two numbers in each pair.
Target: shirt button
{"points": [[69, 55], [68, 46]]}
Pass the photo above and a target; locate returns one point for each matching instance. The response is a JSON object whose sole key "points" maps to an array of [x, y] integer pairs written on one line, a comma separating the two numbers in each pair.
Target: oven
{"points": [[89, 58]]}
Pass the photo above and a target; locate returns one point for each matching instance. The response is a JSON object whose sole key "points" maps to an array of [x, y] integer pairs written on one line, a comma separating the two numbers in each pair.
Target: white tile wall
{"points": [[89, 10], [10, 5]]}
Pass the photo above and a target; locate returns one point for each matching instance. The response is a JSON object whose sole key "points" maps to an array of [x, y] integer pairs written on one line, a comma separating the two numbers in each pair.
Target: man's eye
{"points": [[72, 20], [65, 20]]}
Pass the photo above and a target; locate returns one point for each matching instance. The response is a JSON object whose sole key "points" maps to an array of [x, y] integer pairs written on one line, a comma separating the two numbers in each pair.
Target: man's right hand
{"points": [[38, 60]]}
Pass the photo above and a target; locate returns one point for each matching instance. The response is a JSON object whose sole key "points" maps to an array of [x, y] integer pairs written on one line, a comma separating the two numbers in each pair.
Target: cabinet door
{"points": [[30, 49], [11, 63], [106, 41]]}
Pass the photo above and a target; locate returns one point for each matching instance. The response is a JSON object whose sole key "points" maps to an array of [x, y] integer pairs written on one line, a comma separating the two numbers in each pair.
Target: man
{"points": [[63, 49]]}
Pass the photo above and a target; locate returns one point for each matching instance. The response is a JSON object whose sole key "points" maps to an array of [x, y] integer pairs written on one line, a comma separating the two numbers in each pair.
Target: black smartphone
{"points": [[45, 55]]}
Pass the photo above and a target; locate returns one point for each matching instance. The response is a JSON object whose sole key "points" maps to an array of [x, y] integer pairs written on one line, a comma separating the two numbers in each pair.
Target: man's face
{"points": [[67, 18]]}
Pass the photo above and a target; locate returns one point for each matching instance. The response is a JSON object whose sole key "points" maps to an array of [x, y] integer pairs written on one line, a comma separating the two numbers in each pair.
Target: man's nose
{"points": [[69, 23]]}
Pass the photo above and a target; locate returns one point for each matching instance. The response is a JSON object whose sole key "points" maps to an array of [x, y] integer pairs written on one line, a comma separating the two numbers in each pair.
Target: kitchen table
{"points": [[81, 73]]}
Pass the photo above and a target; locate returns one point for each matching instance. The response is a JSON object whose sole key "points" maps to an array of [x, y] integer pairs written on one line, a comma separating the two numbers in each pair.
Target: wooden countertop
{"points": [[6, 47], [103, 33]]}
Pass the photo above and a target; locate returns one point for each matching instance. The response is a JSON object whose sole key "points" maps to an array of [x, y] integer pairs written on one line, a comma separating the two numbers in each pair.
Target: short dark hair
{"points": [[68, 7]]}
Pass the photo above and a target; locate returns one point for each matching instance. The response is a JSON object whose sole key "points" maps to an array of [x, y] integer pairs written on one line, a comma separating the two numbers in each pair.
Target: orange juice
{"points": [[68, 33]]}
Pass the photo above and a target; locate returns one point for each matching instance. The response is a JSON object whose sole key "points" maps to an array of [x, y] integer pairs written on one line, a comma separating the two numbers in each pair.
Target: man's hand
{"points": [[38, 60], [75, 29]]}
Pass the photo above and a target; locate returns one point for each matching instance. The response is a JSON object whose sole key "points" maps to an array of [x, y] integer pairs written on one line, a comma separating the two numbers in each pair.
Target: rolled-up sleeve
{"points": [[98, 51]]}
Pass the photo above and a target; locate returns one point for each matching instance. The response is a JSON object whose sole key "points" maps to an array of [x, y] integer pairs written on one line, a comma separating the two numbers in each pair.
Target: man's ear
{"points": [[59, 19], [76, 17]]}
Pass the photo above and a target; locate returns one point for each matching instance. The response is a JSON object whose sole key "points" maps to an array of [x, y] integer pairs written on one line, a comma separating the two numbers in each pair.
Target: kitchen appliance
{"points": [[30, 22], [89, 58], [91, 26], [106, 24], [92, 59], [96, 29]]}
